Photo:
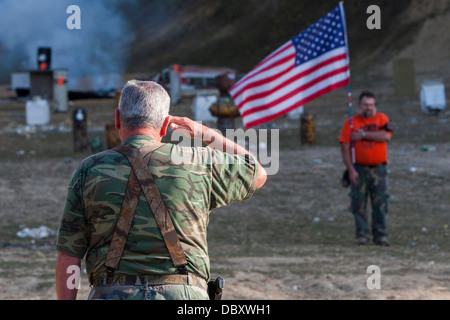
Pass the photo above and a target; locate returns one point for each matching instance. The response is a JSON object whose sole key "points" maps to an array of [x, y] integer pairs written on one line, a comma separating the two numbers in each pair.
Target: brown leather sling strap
{"points": [[142, 179]]}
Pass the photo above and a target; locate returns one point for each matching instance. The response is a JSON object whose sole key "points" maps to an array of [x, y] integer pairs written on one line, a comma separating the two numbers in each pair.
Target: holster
{"points": [[345, 181], [215, 288]]}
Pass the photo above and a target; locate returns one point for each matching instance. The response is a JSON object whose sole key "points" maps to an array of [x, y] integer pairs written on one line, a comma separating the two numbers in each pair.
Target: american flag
{"points": [[308, 66]]}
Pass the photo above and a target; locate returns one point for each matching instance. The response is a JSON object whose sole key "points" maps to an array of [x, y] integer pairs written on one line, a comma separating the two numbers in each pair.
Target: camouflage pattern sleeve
{"points": [[234, 178], [72, 238]]}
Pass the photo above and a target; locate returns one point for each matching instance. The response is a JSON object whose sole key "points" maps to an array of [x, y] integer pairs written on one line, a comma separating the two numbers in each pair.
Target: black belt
{"points": [[127, 280], [364, 165]]}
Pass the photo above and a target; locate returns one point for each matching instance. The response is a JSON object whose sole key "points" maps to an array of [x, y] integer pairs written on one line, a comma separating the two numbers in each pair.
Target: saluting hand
{"points": [[187, 126]]}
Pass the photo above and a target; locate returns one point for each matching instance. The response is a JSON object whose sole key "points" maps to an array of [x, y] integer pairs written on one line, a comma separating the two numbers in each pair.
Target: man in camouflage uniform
{"points": [[191, 181], [368, 175]]}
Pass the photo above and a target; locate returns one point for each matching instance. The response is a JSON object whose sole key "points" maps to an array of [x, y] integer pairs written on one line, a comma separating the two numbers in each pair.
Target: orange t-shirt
{"points": [[368, 153]]}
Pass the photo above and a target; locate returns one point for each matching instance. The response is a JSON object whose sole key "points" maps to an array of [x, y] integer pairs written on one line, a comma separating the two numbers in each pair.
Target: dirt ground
{"points": [[294, 240]]}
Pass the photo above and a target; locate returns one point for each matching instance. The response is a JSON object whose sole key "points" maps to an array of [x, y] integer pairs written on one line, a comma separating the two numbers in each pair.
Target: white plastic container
{"points": [[432, 97], [37, 111]]}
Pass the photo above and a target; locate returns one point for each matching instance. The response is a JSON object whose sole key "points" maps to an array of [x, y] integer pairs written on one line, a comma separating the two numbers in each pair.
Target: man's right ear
{"points": [[117, 118]]}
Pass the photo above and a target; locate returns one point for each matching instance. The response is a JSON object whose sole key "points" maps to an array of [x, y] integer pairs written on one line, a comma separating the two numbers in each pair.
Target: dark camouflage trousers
{"points": [[372, 183], [143, 292]]}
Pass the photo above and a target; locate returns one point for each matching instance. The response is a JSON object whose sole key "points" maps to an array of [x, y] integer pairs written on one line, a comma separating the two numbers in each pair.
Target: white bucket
{"points": [[37, 112]]}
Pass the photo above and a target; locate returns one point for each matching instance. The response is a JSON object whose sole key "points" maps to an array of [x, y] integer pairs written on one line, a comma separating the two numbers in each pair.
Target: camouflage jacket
{"points": [[191, 181]]}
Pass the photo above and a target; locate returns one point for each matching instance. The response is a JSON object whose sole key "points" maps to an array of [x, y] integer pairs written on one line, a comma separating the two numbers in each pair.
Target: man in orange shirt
{"points": [[368, 174]]}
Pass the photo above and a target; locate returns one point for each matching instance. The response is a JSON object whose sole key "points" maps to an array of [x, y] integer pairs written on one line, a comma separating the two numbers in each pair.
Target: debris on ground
{"points": [[36, 233]]}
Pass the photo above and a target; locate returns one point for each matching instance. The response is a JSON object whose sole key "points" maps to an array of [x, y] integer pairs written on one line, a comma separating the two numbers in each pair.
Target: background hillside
{"points": [[143, 36], [239, 34]]}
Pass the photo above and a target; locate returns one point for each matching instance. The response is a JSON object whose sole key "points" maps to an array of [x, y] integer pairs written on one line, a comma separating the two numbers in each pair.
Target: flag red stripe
{"points": [[298, 104], [275, 53], [277, 63], [272, 56], [287, 82], [294, 92]]}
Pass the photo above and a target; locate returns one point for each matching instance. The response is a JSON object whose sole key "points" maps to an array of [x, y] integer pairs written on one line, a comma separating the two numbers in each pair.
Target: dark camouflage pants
{"points": [[149, 292], [372, 183]]}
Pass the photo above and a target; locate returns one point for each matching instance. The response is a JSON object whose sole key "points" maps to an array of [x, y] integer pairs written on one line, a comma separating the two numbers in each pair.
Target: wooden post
{"points": [[80, 135], [307, 129], [112, 135]]}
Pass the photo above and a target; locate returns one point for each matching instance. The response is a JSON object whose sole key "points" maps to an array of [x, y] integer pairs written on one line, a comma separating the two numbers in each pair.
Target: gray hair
{"points": [[143, 104]]}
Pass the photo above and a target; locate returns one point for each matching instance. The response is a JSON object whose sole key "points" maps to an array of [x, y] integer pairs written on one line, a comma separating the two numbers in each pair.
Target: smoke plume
{"points": [[97, 51]]}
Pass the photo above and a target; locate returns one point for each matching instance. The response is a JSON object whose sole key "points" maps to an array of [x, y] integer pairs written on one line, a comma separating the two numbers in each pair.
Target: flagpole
{"points": [[349, 86]]}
